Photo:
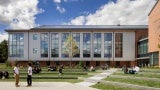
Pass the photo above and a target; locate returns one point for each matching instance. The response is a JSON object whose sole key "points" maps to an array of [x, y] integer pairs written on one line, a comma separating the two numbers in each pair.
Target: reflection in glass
{"points": [[86, 44], [76, 43], [54, 45], [64, 39], [108, 45], [97, 44], [35, 36], [16, 45], [44, 44]]}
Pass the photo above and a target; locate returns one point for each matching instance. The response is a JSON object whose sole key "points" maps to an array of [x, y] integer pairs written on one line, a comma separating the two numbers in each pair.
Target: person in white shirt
{"points": [[29, 78], [16, 74]]}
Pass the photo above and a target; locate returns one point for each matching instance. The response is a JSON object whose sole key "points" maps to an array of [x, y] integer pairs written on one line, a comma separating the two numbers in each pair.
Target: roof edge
{"points": [[153, 7]]}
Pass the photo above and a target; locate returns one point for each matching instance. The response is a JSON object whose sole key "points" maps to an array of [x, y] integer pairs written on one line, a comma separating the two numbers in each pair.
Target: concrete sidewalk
{"points": [[95, 79], [43, 86]]}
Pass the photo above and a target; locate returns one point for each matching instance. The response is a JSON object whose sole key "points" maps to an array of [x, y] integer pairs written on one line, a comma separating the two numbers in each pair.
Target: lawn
{"points": [[148, 83], [69, 75], [110, 87], [44, 80]]}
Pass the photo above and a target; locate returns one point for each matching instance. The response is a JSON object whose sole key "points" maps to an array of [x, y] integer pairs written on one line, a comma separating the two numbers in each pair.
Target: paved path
{"points": [[43, 86], [95, 79]]}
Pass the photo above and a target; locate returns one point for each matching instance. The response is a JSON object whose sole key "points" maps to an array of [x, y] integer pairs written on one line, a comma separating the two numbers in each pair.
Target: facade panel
{"points": [[116, 47]]}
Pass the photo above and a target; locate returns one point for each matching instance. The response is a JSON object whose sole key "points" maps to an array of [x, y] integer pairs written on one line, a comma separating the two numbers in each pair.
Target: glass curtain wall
{"points": [[44, 44], [107, 45], [143, 48], [16, 45], [76, 44], [64, 39], [86, 45], [54, 45], [97, 44]]}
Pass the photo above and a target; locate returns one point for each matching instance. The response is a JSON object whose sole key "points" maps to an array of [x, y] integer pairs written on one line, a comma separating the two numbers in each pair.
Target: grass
{"points": [[148, 83], [69, 75], [140, 74], [110, 87], [44, 80]]}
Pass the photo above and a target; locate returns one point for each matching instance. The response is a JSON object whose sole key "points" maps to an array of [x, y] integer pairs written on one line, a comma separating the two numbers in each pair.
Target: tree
{"points": [[3, 51], [71, 47], [159, 43]]}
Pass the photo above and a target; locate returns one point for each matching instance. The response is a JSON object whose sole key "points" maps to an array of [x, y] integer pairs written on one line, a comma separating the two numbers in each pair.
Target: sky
{"points": [[26, 14]]}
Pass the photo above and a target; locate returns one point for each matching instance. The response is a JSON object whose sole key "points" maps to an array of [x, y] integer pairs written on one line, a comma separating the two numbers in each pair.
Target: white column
{"points": [[102, 45], [81, 45]]}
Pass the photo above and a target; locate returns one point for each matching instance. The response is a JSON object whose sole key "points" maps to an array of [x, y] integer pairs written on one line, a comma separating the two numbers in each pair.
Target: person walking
{"points": [[16, 74], [29, 78]]}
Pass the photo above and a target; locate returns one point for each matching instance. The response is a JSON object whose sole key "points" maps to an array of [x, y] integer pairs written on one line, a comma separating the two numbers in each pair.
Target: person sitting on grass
{"points": [[6, 74], [85, 68], [92, 68], [135, 69], [60, 71]]}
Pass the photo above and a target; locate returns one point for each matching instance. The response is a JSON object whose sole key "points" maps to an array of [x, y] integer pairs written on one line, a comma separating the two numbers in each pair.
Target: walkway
{"points": [[59, 85], [95, 79], [44, 86]]}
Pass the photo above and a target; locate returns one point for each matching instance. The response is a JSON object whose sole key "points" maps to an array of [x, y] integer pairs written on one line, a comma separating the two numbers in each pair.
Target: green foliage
{"points": [[3, 51], [80, 64], [71, 46], [110, 87], [159, 43], [143, 82]]}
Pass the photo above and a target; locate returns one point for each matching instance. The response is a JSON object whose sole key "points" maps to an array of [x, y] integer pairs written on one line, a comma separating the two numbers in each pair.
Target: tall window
{"points": [[16, 45], [97, 44], [64, 39], [143, 48], [44, 44], [76, 45], [54, 45], [118, 45], [86, 44], [108, 45]]}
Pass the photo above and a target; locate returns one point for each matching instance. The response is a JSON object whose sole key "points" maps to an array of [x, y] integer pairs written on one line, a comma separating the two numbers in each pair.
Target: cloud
{"points": [[60, 9], [80, 20], [19, 13], [3, 36], [70, 0], [57, 1], [124, 12]]}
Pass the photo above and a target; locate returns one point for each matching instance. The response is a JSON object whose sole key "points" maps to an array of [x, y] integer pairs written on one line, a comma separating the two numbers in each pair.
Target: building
{"points": [[116, 45], [154, 34], [143, 59]]}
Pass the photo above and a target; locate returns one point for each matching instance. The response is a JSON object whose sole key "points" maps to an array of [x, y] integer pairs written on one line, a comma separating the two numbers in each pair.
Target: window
{"points": [[97, 44], [118, 45], [44, 44], [54, 45], [143, 48], [76, 45], [64, 39], [16, 45], [86, 44], [35, 50], [108, 45], [154, 59], [35, 36]]}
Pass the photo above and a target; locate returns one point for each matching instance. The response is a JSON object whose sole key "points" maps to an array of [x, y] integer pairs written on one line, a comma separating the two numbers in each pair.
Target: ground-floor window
{"points": [[154, 58]]}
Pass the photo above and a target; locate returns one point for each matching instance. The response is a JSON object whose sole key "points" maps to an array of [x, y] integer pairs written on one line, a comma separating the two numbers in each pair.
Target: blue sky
{"points": [[25, 14], [73, 8]]}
